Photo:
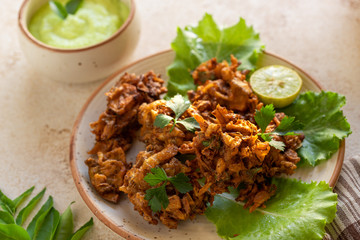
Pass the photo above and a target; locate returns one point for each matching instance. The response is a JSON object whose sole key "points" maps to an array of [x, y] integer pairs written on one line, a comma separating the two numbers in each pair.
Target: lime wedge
{"points": [[276, 84]]}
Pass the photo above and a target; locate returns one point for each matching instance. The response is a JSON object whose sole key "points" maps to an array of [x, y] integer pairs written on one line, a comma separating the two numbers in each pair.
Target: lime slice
{"points": [[276, 84]]}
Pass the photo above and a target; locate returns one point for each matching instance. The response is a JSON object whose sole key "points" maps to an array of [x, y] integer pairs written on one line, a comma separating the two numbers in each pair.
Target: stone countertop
{"points": [[37, 115]]}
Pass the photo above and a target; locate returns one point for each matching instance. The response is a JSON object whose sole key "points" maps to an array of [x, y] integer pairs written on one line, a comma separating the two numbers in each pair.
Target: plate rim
{"points": [[76, 174]]}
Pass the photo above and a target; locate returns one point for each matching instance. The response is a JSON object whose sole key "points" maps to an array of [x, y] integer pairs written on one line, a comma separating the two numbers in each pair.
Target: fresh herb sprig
{"points": [[47, 224], [70, 7], [179, 105], [263, 118], [157, 197]]}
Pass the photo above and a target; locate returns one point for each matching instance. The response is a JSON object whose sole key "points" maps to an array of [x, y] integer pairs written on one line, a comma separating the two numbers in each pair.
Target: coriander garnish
{"points": [[157, 197], [263, 118], [179, 106]]}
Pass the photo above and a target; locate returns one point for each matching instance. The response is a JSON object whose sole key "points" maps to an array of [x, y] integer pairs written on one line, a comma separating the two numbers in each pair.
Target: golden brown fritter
{"points": [[116, 128], [225, 152]]}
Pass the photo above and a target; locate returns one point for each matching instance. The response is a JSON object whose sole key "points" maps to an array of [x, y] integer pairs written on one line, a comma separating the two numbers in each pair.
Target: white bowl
{"points": [[78, 65], [121, 217]]}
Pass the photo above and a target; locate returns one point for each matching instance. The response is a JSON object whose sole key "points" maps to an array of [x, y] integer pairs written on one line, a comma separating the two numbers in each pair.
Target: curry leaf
{"points": [[38, 220], [13, 232], [17, 201], [66, 225], [196, 44], [6, 218], [24, 213], [298, 210], [82, 230], [48, 228]]}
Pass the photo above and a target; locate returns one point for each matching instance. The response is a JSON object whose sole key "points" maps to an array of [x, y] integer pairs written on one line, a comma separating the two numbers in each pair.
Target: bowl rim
{"points": [[24, 30], [76, 175]]}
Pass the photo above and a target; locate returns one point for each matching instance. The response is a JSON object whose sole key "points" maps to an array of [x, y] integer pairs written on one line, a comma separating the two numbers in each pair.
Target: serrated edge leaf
{"points": [[263, 117], [24, 213], [156, 176], [189, 123], [185, 185], [277, 144], [162, 120]]}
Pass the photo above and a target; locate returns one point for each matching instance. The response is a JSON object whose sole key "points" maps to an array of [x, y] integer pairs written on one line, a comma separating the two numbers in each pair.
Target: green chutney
{"points": [[95, 21]]}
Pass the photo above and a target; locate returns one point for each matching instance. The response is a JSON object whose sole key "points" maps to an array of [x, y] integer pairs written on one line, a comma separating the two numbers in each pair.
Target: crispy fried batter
{"points": [[225, 152], [116, 128]]}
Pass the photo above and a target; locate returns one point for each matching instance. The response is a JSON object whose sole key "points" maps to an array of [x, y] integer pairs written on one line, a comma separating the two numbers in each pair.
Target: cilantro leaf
{"points": [[324, 124], [264, 116], [277, 144], [157, 198], [189, 123], [298, 210], [156, 176], [181, 182], [266, 137], [289, 124], [178, 105], [196, 44], [162, 120]]}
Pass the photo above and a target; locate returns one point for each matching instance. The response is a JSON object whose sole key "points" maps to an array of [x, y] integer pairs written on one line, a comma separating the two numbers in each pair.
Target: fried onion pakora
{"points": [[226, 151], [116, 128]]}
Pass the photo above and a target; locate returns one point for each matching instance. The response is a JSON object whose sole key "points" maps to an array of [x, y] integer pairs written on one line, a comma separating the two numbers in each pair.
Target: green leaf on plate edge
{"points": [[298, 210]]}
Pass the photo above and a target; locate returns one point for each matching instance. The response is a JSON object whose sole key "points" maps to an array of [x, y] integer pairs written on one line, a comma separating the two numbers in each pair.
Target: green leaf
{"points": [[24, 213], [81, 231], [156, 176], [324, 124], [178, 104], [298, 210], [288, 124], [58, 8], [190, 124], [13, 232], [157, 198], [194, 45], [66, 225], [38, 220], [72, 6], [264, 116], [265, 136], [6, 203], [17, 201], [6, 218], [277, 144], [162, 120], [48, 228], [181, 182]]}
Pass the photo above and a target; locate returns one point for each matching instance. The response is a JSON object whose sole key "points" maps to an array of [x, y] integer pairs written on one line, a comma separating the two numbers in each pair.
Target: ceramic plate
{"points": [[121, 217]]}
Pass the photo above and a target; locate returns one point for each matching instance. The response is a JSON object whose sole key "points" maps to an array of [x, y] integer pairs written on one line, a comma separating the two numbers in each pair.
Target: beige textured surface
{"points": [[322, 37]]}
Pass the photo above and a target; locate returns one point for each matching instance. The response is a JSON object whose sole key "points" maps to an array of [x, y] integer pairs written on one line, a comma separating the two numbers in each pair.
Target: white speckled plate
{"points": [[121, 217]]}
